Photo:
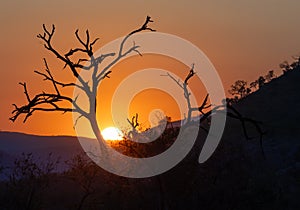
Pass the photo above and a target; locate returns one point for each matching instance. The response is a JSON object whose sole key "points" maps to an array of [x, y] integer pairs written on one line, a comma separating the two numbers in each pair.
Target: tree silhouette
{"points": [[240, 89], [184, 86], [261, 81], [28, 180], [286, 67], [134, 124], [270, 75], [57, 102], [207, 109], [84, 173]]}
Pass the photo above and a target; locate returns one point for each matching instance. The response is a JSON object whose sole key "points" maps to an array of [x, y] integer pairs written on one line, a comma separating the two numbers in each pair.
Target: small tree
{"points": [[269, 76], [254, 84], [261, 81], [240, 89], [296, 63], [285, 66]]}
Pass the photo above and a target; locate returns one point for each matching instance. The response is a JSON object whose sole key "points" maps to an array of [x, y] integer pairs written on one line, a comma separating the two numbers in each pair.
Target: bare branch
{"points": [[134, 121], [56, 82], [25, 91], [46, 37], [144, 26], [173, 78], [76, 121], [122, 54], [204, 104], [51, 77], [105, 75], [50, 102], [78, 37], [190, 75], [38, 104], [219, 108]]}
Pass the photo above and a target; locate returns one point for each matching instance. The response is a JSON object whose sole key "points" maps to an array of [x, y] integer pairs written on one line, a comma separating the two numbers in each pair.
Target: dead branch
{"points": [[49, 77], [122, 54], [44, 102], [186, 93], [134, 124], [52, 101], [134, 121], [230, 110]]}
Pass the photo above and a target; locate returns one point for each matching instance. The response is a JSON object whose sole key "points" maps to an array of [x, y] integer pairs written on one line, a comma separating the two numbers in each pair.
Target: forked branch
{"points": [[46, 102], [56, 101], [184, 86], [121, 52], [225, 108], [35, 104]]}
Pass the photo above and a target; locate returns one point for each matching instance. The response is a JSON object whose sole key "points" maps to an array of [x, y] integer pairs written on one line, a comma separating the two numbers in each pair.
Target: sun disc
{"points": [[112, 133]]}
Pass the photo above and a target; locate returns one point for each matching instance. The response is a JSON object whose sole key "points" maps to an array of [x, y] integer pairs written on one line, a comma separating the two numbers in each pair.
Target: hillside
{"points": [[276, 105]]}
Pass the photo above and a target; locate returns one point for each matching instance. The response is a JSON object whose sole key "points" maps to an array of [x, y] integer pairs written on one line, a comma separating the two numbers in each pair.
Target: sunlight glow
{"points": [[112, 133]]}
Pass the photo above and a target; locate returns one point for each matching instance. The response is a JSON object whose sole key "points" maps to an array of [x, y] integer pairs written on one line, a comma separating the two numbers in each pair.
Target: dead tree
{"points": [[206, 110], [184, 86], [56, 101], [134, 124]]}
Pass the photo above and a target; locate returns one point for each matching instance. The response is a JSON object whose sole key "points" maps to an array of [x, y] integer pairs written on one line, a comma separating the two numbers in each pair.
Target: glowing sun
{"points": [[112, 133]]}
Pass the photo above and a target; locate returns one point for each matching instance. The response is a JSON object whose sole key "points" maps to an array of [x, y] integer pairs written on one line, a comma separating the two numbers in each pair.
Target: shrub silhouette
{"points": [[240, 89], [83, 172], [28, 180]]}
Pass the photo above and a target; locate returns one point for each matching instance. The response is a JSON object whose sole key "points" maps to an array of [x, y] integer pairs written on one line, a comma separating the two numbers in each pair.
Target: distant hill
{"points": [[13, 144]]}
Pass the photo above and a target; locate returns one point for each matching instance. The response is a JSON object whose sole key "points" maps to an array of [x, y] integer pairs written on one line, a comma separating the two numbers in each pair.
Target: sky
{"points": [[243, 40]]}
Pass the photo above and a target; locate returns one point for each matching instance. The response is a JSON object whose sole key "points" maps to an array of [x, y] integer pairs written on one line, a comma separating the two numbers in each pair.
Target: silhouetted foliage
{"points": [[28, 179], [261, 81], [240, 89], [83, 171], [270, 76], [286, 67]]}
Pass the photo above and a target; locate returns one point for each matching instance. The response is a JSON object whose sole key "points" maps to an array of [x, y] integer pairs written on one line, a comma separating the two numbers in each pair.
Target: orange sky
{"points": [[243, 39]]}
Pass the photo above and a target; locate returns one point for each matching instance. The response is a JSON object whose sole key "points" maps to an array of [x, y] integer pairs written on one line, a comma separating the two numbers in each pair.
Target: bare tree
{"points": [[230, 110], [56, 101], [184, 86], [134, 124]]}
